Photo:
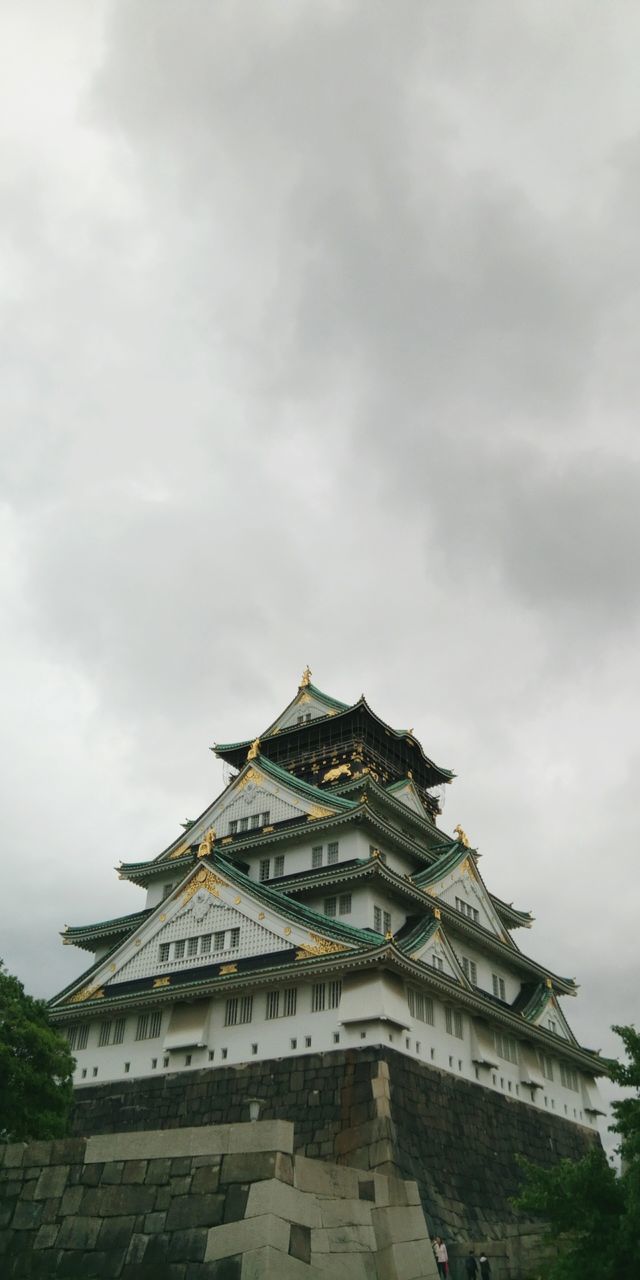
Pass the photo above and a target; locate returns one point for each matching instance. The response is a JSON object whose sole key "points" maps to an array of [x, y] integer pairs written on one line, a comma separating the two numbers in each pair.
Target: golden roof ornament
{"points": [[461, 836], [207, 843], [306, 678], [254, 749]]}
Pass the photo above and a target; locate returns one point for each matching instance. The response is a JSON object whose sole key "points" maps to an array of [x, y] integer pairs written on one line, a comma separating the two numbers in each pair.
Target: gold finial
{"points": [[254, 749], [461, 836], [437, 913], [207, 843], [549, 983], [388, 936], [306, 678]]}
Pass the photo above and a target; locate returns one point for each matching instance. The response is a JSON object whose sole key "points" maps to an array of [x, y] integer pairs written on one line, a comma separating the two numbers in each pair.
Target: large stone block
{"points": [[397, 1223], [272, 1196], [194, 1211], [252, 1166], [355, 1238], [52, 1182], [324, 1179], [250, 1234], [79, 1233], [269, 1263], [411, 1260], [342, 1213]]}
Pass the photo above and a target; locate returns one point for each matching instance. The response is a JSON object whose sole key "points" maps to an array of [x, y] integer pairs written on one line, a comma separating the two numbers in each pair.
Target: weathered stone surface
{"points": [[276, 1197], [195, 1211], [78, 1233], [52, 1182], [268, 1263], [242, 1237], [188, 1246], [408, 1261]]}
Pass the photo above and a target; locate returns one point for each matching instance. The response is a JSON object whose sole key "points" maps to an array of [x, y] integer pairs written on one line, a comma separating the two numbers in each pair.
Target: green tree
{"points": [[35, 1067], [593, 1211]]}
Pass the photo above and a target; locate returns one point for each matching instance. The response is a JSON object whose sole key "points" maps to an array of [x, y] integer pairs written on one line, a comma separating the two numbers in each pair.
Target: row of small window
{"points": [[467, 910], [470, 970], [265, 867], [203, 945], [250, 823], [568, 1077], [318, 854], [421, 1008], [282, 1004], [148, 1027], [338, 906]]}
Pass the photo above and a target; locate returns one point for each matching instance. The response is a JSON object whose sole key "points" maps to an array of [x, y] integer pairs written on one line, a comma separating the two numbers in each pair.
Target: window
{"points": [[377, 919], [164, 951], [165, 1061], [218, 940], [546, 1065], [330, 906], [254, 820], [316, 856], [470, 970], [453, 1023], [154, 1064], [265, 818], [344, 904], [506, 1046], [225, 1053], [293, 1043], [142, 1027], [238, 1009], [155, 1023], [233, 827], [420, 1006], [234, 938], [498, 986], [552, 1025], [290, 1001], [307, 1042], [318, 997], [437, 963], [386, 921], [569, 1077], [205, 944], [332, 853], [335, 994], [166, 890], [467, 910], [187, 1059], [127, 1067], [118, 1030], [336, 1037], [278, 865], [104, 1035], [254, 1049], [192, 946], [273, 1004], [78, 1037], [265, 868], [84, 1076], [243, 824], [178, 949]]}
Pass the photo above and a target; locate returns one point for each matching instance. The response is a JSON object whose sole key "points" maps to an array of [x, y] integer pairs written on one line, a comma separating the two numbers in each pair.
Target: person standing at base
{"points": [[442, 1257], [471, 1265], [485, 1267]]}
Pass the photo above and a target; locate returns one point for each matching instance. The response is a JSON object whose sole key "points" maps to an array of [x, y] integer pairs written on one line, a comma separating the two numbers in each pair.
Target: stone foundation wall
{"points": [[372, 1109], [224, 1203]]}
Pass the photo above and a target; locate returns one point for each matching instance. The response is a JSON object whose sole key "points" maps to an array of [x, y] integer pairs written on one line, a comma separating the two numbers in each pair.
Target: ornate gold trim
{"points": [[205, 879], [161, 982], [228, 968], [86, 993]]}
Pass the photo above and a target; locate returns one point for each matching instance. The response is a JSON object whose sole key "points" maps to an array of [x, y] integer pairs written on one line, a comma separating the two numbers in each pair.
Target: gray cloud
{"points": [[319, 345]]}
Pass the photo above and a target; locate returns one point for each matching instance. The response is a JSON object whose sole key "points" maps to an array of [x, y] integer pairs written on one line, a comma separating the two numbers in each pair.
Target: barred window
{"points": [[290, 995], [233, 827], [335, 994], [386, 921], [470, 969], [377, 919], [231, 1012], [332, 852], [78, 1036], [453, 1023], [467, 910], [119, 1030], [506, 1047], [178, 949], [166, 890], [205, 944], [420, 1006], [164, 950], [155, 1024], [318, 997], [265, 818], [316, 856], [498, 985], [265, 868], [438, 963], [546, 1065], [569, 1077], [344, 904], [273, 1004], [238, 1010], [218, 940], [278, 865], [104, 1035], [330, 906], [192, 946], [234, 938], [142, 1027]]}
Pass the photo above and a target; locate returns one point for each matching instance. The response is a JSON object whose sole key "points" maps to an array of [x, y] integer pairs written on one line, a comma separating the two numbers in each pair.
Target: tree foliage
{"points": [[593, 1211], [35, 1067]]}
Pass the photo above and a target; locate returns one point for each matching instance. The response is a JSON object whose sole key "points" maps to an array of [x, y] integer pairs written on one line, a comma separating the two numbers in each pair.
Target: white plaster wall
{"points": [[322, 1032], [486, 966]]}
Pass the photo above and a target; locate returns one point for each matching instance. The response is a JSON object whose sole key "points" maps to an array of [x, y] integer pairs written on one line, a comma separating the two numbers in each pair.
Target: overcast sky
{"points": [[320, 344]]}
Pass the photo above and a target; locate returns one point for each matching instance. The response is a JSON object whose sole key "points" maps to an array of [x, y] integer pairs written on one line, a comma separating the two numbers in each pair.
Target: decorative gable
{"points": [[550, 1017], [208, 920], [437, 953], [462, 888], [406, 793], [305, 706]]}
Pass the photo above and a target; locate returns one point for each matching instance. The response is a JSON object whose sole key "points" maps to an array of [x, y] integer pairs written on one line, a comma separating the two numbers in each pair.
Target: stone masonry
{"points": [[230, 1202], [373, 1109]]}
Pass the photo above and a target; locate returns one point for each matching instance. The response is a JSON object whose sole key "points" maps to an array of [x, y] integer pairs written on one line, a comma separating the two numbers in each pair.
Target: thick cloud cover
{"points": [[319, 343]]}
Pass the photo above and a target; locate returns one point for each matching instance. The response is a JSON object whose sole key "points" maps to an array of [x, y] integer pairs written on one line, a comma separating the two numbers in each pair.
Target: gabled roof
{"points": [[91, 935], [235, 752]]}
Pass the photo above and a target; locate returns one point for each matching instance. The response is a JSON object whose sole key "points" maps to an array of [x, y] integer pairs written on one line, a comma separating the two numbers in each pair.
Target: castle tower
{"points": [[315, 906]]}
